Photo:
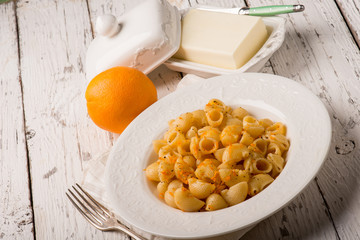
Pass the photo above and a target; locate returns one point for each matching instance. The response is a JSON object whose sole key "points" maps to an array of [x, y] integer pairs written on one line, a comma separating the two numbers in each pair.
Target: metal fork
{"points": [[96, 214]]}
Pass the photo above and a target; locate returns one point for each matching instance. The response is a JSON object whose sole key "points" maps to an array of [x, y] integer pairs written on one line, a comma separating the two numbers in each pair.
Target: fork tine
{"points": [[83, 208], [99, 205], [93, 207], [90, 220]]}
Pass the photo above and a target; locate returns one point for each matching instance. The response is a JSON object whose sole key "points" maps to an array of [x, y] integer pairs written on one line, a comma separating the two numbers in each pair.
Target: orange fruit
{"points": [[116, 96]]}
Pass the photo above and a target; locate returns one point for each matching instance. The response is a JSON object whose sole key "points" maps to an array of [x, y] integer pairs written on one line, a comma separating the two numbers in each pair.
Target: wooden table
{"points": [[47, 138]]}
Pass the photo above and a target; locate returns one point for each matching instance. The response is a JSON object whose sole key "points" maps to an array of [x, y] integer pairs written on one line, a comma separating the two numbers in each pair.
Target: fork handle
{"points": [[122, 228]]}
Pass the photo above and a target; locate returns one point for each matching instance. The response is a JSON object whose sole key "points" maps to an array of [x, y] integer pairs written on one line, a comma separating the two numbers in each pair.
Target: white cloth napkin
{"points": [[93, 179]]}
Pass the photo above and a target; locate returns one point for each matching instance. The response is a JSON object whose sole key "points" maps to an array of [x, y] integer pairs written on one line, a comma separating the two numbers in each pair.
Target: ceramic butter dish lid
{"points": [[143, 38]]}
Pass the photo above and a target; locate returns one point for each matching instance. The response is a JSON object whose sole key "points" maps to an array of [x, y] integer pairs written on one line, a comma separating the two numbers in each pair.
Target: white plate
{"points": [[276, 28], [263, 95]]}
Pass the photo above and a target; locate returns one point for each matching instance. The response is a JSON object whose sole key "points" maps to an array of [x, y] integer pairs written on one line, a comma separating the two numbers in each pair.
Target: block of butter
{"points": [[220, 39]]}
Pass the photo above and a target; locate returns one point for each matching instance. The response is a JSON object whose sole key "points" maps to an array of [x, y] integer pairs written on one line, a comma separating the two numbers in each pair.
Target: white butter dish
{"points": [[276, 29], [143, 38]]}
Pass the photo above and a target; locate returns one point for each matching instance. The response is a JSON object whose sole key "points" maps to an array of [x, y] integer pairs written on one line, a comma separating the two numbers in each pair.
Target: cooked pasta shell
{"points": [[207, 171], [246, 139], [169, 194], [174, 138], [190, 160], [192, 132], [162, 188], [259, 146], [233, 121], [258, 183], [274, 149], [239, 113], [252, 126], [183, 147], [166, 171], [194, 147], [209, 132], [265, 122], [228, 165], [276, 128], [183, 171], [233, 176], [215, 202], [175, 184], [200, 188], [199, 119], [230, 134], [157, 144], [235, 152], [168, 154], [281, 141], [214, 104], [277, 162], [219, 153], [152, 171], [235, 194], [185, 201]]}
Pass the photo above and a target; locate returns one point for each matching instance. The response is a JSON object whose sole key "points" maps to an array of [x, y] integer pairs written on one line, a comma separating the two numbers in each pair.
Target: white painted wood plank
{"points": [[320, 53], [53, 40], [16, 219], [351, 12], [304, 218]]}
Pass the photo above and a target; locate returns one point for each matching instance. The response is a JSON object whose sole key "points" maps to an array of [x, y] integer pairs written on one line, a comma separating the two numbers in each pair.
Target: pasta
{"points": [[217, 157]]}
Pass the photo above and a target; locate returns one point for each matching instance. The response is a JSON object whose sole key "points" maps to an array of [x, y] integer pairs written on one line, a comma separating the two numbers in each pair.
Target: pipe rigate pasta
{"points": [[214, 117], [217, 157], [278, 163], [252, 126], [208, 145]]}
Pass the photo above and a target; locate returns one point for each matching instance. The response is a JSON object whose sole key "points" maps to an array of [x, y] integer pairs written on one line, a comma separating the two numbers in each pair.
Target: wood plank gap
{"points": [[348, 24], [24, 122], [91, 26], [328, 212], [246, 3]]}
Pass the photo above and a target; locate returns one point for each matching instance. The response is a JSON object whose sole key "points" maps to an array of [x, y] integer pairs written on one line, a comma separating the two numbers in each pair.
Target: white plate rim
{"points": [[136, 202]]}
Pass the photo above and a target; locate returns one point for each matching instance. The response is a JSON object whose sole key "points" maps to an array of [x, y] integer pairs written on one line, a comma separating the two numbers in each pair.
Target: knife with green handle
{"points": [[259, 11]]}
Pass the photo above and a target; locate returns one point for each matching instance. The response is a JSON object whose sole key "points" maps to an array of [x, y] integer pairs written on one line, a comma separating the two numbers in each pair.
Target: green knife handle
{"points": [[274, 10]]}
